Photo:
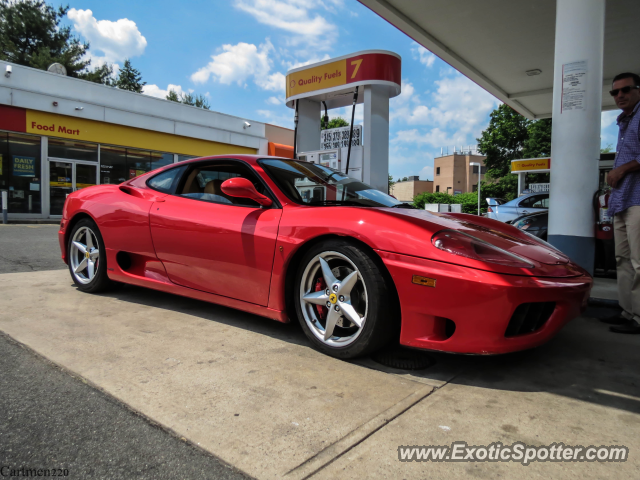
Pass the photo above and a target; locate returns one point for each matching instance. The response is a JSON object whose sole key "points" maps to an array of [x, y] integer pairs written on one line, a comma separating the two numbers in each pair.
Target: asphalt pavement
{"points": [[29, 248], [52, 420]]}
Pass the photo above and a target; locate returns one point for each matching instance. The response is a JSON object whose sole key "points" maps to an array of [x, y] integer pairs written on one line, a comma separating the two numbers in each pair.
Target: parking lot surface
{"points": [[251, 391]]}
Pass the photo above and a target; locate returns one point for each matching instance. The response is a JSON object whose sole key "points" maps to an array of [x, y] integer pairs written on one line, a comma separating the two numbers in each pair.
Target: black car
{"points": [[533, 223]]}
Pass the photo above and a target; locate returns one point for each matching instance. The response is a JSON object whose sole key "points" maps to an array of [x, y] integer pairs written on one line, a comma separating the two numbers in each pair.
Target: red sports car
{"points": [[289, 240]]}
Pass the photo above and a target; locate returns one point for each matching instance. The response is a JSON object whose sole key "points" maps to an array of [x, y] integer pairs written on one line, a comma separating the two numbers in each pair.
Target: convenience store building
{"points": [[59, 134]]}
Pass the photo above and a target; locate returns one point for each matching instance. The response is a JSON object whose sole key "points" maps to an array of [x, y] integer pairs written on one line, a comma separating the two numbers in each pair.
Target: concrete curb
{"points": [[355, 437]]}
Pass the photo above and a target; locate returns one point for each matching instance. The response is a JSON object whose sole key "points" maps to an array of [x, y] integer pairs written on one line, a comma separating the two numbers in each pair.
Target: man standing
{"points": [[624, 203]]}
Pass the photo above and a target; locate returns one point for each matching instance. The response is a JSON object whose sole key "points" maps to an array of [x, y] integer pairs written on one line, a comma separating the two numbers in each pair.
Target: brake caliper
{"points": [[322, 310]]}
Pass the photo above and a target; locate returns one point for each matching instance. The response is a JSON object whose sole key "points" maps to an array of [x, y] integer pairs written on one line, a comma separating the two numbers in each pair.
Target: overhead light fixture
{"points": [[534, 72]]}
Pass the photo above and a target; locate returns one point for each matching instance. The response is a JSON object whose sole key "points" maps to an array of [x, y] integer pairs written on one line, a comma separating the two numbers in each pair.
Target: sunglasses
{"points": [[627, 89]]}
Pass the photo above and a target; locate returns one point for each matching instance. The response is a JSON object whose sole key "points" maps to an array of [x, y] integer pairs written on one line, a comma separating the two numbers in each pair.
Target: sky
{"points": [[237, 53]]}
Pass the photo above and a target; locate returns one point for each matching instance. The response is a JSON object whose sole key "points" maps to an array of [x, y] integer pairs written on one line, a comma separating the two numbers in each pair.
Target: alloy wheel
{"points": [[84, 255], [333, 299]]}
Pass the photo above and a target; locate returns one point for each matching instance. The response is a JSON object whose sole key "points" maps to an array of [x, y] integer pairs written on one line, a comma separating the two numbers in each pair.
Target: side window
{"points": [[542, 203], [204, 182], [166, 181], [528, 202]]}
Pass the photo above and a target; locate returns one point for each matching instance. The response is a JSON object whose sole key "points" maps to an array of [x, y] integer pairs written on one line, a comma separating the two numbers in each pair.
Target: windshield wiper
{"points": [[404, 205]]}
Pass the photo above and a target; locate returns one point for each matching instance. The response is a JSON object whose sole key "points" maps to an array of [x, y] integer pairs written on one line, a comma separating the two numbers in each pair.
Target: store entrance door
{"points": [[66, 176]]}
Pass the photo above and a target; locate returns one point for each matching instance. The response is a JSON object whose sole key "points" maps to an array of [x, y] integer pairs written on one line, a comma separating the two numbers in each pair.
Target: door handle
{"points": [[524, 212]]}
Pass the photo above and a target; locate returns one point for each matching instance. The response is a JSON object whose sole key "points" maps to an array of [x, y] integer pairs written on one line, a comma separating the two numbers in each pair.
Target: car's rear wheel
{"points": [[87, 258], [342, 300]]}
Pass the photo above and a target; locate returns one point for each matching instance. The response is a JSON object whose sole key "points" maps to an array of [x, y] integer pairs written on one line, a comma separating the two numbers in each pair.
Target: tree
{"points": [[199, 101], [539, 142], [129, 78], [503, 140], [391, 183], [173, 96], [538, 145], [335, 123], [102, 74], [30, 35], [607, 149]]}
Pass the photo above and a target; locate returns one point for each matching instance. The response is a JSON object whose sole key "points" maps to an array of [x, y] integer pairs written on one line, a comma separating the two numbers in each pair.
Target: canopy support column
{"points": [[575, 147]]}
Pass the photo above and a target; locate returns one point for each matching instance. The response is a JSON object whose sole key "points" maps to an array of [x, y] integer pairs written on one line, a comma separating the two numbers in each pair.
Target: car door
{"points": [[533, 204], [215, 243], [507, 211]]}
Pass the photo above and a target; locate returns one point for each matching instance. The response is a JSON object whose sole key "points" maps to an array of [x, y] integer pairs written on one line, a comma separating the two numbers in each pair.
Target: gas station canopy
{"points": [[507, 46]]}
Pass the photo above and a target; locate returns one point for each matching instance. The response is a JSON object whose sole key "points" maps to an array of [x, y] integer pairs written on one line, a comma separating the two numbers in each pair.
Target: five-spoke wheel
{"points": [[334, 298], [342, 300], [87, 257], [84, 255]]}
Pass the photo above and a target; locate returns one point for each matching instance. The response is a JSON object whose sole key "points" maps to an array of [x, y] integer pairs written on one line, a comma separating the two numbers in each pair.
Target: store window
{"points": [[113, 165], [73, 150], [160, 159], [138, 162], [118, 164], [20, 164]]}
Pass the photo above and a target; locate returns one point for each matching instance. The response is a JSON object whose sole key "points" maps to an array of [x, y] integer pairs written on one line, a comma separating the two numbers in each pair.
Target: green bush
{"points": [[469, 201], [421, 200]]}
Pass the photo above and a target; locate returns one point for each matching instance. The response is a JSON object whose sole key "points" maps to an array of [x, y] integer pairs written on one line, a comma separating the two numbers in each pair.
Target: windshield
{"points": [[310, 184]]}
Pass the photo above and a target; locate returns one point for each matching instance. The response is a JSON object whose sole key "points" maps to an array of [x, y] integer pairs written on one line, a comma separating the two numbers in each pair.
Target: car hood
{"points": [[547, 261]]}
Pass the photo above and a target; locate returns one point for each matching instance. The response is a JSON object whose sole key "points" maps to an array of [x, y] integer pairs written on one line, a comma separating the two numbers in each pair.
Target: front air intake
{"points": [[529, 318]]}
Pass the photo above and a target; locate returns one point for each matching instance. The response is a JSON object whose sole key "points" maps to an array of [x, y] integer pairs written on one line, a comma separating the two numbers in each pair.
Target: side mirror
{"points": [[243, 188]]}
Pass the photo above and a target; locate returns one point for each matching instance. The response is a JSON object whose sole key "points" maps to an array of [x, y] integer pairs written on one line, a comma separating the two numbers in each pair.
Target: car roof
{"points": [[522, 197], [534, 214]]}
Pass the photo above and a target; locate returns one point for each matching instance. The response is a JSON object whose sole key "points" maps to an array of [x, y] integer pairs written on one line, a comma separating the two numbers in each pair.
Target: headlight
{"points": [[464, 245]]}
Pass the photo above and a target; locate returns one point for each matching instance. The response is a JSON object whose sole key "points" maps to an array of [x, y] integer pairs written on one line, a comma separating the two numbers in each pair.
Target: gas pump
{"points": [[369, 78]]}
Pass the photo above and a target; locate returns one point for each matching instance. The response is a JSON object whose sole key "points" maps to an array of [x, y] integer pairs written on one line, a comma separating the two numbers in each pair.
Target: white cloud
{"points": [[238, 63], [273, 101], [314, 59], [274, 82], [459, 106], [608, 118], [155, 91], [296, 18], [281, 119], [420, 53], [115, 40]]}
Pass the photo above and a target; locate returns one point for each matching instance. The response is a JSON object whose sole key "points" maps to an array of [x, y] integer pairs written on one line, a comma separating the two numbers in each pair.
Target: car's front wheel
{"points": [[87, 258], [343, 301]]}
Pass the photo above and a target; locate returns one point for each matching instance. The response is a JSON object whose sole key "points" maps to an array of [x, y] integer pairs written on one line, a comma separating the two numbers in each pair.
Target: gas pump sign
{"points": [[339, 137], [367, 68]]}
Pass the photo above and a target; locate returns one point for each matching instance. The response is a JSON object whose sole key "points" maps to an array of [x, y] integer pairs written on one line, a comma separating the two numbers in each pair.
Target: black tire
{"points": [[382, 317], [100, 282]]}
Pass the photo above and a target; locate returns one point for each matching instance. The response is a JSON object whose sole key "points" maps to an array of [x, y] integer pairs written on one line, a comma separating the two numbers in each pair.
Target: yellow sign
{"points": [[317, 78], [43, 123], [530, 164]]}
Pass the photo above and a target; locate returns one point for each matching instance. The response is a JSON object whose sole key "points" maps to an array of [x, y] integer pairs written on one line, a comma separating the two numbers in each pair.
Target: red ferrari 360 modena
{"points": [[289, 240]]}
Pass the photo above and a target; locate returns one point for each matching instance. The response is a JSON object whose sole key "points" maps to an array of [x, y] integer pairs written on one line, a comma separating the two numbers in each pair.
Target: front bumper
{"points": [[480, 304]]}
